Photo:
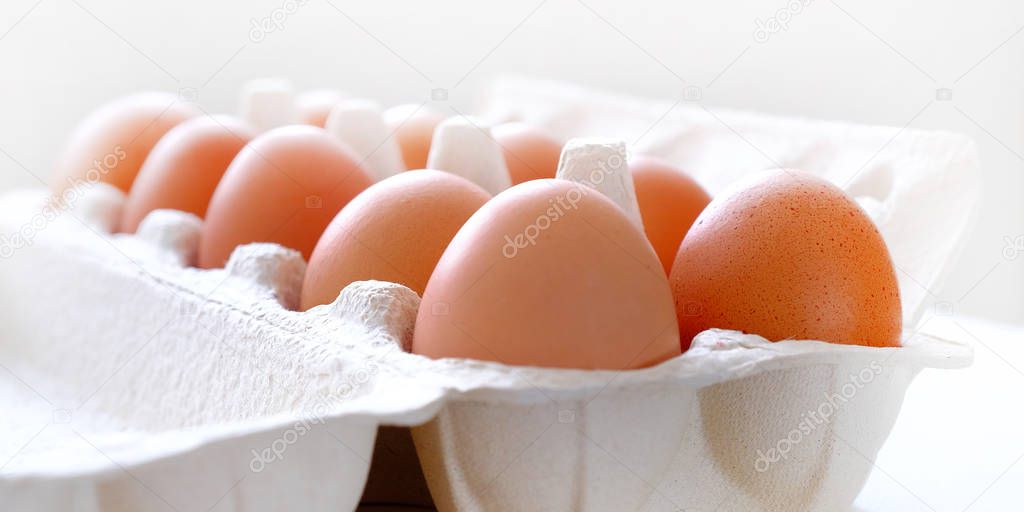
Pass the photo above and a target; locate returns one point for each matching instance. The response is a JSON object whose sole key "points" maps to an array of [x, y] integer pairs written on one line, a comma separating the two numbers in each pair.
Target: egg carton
{"points": [[135, 382]]}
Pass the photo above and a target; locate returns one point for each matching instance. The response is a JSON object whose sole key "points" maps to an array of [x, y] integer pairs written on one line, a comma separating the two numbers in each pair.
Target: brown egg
{"points": [[283, 187], [787, 255], [184, 168], [549, 273], [111, 143], [394, 231], [313, 107], [530, 152], [669, 202], [413, 127]]}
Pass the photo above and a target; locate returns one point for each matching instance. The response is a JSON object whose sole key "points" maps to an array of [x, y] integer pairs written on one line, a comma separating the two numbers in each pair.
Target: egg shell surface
{"points": [[395, 231], [530, 152], [284, 187], [413, 127], [111, 143], [787, 255], [184, 167], [669, 202], [549, 273]]}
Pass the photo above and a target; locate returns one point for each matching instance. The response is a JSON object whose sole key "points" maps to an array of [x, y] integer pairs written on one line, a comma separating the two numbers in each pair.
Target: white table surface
{"points": [[959, 441]]}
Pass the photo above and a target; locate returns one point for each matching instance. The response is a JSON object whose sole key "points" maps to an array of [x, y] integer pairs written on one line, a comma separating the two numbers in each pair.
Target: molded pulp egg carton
{"points": [[131, 381]]}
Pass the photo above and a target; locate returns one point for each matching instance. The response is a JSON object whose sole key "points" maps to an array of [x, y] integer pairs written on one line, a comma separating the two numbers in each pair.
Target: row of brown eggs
{"points": [[546, 272]]}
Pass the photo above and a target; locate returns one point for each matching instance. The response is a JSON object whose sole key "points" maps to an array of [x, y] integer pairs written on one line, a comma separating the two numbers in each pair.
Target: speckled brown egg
{"points": [[787, 255]]}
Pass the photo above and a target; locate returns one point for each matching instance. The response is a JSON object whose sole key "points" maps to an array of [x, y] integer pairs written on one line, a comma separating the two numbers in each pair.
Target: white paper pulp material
{"points": [[132, 382], [360, 125], [267, 103], [601, 164], [464, 147]]}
